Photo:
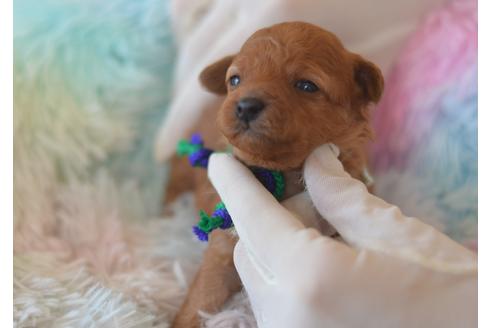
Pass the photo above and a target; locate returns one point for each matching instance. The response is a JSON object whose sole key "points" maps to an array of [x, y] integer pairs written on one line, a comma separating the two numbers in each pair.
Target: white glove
{"points": [[374, 30], [394, 271]]}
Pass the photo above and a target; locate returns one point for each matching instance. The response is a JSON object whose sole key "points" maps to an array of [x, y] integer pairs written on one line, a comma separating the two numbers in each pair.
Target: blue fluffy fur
{"points": [[112, 58]]}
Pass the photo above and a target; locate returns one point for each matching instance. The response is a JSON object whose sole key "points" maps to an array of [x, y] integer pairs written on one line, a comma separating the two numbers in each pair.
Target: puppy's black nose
{"points": [[247, 109]]}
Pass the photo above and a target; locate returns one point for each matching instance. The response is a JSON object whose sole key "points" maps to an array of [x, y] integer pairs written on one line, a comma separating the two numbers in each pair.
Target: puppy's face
{"points": [[291, 88]]}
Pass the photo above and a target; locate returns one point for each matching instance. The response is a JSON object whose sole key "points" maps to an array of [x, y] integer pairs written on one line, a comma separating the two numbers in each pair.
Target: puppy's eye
{"points": [[234, 80], [306, 86]]}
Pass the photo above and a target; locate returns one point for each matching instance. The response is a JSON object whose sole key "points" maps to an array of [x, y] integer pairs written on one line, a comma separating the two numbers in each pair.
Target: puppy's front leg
{"points": [[215, 282]]}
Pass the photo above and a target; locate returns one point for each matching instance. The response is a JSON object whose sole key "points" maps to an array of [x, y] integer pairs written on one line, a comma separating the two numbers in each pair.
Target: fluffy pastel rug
{"points": [[425, 155], [92, 80]]}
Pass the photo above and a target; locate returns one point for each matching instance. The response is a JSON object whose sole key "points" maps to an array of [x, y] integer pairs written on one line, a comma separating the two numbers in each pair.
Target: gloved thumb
{"points": [[367, 222]]}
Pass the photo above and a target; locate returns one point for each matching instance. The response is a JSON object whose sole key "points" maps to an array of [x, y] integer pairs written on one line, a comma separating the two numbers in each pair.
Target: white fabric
{"points": [[394, 271], [375, 29]]}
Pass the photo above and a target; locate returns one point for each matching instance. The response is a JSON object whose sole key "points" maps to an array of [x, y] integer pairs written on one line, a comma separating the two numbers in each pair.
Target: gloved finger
{"points": [[254, 278], [255, 283], [263, 225], [366, 221]]}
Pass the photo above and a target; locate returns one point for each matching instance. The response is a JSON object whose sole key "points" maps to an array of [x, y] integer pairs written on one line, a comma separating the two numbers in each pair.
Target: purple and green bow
{"points": [[198, 155]]}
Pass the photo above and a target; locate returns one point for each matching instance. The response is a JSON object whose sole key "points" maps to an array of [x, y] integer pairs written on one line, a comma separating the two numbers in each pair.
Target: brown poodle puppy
{"points": [[292, 87]]}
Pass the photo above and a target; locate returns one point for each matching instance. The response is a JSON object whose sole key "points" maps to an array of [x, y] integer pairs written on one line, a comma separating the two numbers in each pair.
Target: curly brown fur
{"points": [[289, 127]]}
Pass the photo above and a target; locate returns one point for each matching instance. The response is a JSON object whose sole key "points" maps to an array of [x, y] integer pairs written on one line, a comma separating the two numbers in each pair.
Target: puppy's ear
{"points": [[213, 76], [369, 80]]}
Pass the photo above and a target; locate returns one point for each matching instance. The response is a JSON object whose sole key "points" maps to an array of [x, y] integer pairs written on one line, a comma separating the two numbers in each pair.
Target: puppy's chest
{"points": [[294, 183]]}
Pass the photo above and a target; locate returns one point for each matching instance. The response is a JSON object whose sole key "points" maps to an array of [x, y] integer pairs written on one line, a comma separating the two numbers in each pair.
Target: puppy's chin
{"points": [[255, 147], [266, 154], [252, 159]]}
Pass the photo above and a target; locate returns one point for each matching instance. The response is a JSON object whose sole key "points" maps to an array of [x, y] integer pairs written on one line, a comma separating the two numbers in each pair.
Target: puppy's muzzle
{"points": [[248, 109]]}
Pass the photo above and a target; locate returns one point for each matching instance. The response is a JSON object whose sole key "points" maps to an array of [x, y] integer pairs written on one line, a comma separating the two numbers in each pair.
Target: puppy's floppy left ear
{"points": [[213, 76], [369, 80]]}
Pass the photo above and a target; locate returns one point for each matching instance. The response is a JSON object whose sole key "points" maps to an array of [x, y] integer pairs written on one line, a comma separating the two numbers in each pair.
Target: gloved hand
{"points": [[393, 271]]}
